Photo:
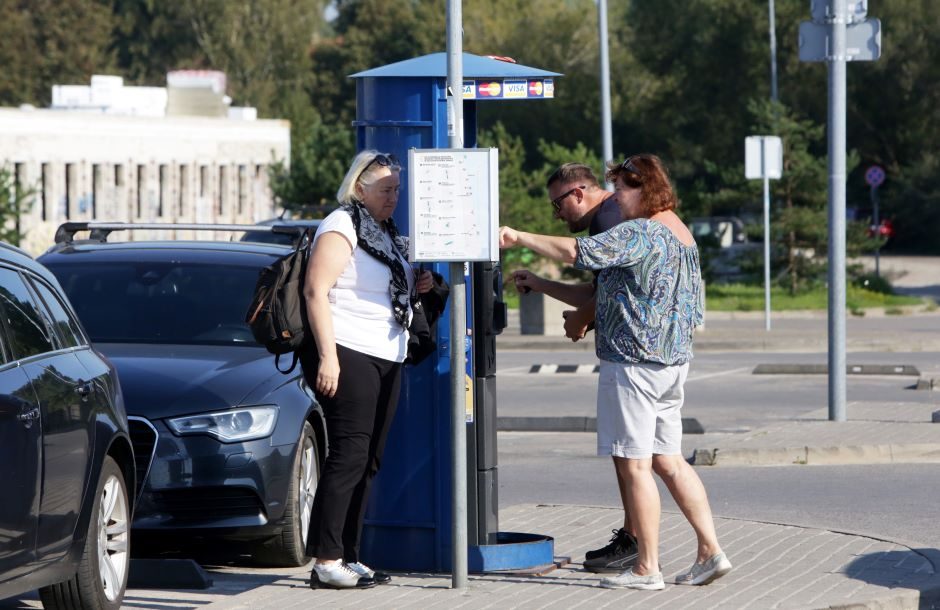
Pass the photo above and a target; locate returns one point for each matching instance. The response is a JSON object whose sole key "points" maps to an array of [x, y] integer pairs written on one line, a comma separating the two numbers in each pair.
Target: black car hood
{"points": [[171, 380]]}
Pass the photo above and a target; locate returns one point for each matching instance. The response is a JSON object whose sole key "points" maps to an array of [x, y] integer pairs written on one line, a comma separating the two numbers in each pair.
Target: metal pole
{"points": [[836, 64], [763, 149], [877, 224], [606, 129], [458, 317], [773, 52]]}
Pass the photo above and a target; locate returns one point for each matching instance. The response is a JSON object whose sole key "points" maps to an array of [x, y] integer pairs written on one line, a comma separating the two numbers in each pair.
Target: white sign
{"points": [[862, 41], [855, 10], [763, 156], [453, 201]]}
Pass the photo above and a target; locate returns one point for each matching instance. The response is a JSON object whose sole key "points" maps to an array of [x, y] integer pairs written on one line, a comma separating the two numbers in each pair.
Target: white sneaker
{"points": [[713, 568], [629, 580], [338, 575], [362, 569]]}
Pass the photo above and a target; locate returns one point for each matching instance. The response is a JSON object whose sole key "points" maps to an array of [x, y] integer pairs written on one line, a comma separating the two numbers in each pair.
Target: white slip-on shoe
{"points": [[338, 575], [713, 568], [629, 580]]}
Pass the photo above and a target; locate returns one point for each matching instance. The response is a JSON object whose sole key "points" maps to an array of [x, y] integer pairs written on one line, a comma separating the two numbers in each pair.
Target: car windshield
{"points": [[161, 302]]}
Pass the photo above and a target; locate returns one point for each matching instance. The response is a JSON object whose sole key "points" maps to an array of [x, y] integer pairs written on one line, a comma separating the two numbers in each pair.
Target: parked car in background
{"points": [[67, 475], [282, 232], [724, 246], [229, 447]]}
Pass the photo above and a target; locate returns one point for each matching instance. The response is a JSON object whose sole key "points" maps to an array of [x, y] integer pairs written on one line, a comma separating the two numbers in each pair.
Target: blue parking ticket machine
{"points": [[400, 107]]}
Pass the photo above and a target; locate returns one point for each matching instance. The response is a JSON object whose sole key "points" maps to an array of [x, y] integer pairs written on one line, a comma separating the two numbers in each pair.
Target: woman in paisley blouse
{"points": [[648, 304]]}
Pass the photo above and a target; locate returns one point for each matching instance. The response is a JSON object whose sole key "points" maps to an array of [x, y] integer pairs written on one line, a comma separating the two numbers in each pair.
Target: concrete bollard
{"points": [[541, 315]]}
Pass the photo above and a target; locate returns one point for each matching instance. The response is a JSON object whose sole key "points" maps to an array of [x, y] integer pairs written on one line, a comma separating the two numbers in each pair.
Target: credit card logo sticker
{"points": [[515, 89], [490, 89], [469, 90], [535, 88]]}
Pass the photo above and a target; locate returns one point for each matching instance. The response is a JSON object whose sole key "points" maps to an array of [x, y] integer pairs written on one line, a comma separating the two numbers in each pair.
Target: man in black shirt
{"points": [[578, 199]]}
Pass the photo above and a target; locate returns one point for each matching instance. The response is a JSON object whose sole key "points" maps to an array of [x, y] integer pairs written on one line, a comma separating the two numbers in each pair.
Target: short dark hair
{"points": [[573, 172], [647, 173]]}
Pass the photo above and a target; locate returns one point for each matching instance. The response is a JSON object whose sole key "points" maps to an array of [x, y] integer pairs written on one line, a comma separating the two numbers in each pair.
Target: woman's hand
{"points": [[508, 237], [424, 282], [328, 376]]}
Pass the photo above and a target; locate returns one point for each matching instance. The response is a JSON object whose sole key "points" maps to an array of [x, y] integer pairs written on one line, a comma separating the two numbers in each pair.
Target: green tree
{"points": [[15, 199], [151, 38], [319, 161], [263, 46], [45, 42]]}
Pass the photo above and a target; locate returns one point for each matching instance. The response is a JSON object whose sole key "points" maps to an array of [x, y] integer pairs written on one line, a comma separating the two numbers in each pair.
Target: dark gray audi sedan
{"points": [[228, 447], [66, 462]]}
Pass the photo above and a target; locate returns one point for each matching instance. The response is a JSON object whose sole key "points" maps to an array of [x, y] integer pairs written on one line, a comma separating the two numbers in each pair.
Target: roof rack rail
{"points": [[16, 249], [65, 234]]}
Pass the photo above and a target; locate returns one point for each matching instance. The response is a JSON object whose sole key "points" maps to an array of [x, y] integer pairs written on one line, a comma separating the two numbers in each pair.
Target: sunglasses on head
{"points": [[382, 160], [557, 201], [628, 165]]}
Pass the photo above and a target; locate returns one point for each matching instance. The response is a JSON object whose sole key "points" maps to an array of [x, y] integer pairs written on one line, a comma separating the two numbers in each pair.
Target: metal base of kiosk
{"points": [[513, 551]]}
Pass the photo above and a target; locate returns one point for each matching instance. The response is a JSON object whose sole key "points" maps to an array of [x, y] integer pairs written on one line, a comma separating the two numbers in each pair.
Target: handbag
{"points": [[426, 310]]}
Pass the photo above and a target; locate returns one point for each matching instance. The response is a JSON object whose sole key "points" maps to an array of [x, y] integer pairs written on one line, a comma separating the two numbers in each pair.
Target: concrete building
{"points": [[97, 163]]}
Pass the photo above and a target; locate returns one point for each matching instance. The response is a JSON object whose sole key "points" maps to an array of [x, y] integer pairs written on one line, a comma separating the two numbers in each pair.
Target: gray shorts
{"points": [[639, 409]]}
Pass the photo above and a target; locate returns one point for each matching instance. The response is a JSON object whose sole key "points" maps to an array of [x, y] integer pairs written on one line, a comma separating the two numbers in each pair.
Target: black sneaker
{"points": [[618, 556]]}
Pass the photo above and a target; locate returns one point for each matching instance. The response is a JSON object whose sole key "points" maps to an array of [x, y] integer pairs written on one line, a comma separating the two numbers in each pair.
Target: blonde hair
{"points": [[357, 174]]}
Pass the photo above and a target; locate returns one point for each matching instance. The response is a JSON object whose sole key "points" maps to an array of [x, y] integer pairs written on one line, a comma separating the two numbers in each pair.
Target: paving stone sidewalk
{"points": [[776, 566]]}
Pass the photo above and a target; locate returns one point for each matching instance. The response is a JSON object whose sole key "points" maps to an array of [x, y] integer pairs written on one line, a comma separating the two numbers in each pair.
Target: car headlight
{"points": [[236, 425]]}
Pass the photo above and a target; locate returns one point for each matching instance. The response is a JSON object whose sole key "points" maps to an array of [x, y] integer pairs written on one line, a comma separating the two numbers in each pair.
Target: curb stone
{"points": [[832, 455]]}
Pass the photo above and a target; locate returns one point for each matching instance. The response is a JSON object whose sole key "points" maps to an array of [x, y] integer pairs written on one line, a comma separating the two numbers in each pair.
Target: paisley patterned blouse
{"points": [[648, 294]]}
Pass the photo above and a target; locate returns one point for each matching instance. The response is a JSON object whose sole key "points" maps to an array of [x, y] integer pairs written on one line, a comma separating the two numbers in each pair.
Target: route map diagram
{"points": [[453, 207]]}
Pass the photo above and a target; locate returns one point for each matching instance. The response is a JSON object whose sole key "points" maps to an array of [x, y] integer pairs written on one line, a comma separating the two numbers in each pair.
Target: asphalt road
{"points": [[721, 391]]}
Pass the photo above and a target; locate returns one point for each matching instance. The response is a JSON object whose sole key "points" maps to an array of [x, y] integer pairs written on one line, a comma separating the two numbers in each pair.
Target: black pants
{"points": [[358, 417]]}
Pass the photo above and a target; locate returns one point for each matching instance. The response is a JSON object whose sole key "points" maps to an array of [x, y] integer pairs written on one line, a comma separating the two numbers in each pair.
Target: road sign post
{"points": [[839, 32], [763, 158], [875, 177]]}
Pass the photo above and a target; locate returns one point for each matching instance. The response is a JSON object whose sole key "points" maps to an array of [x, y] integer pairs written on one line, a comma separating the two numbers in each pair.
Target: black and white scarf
{"points": [[372, 239]]}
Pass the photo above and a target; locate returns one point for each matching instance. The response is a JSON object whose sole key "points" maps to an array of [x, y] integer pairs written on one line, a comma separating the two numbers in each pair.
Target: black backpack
{"points": [[277, 315]]}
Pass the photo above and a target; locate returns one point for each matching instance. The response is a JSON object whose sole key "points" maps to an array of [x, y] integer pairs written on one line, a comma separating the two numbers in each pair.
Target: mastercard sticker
{"points": [[535, 88], [489, 89]]}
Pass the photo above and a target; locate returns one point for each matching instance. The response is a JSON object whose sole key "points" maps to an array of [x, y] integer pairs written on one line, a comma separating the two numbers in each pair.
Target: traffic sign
{"points": [[855, 10], [862, 41], [763, 156], [875, 176]]}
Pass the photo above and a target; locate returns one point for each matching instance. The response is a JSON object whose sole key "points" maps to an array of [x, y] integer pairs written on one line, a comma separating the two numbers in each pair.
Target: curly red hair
{"points": [[647, 173]]}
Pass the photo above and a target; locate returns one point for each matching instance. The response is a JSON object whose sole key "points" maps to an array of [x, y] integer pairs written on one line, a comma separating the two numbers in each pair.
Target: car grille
{"points": [[144, 439], [208, 502]]}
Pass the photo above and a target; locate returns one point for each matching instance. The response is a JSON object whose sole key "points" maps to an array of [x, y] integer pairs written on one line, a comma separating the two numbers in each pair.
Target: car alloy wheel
{"points": [[289, 548], [113, 544], [101, 579], [309, 474]]}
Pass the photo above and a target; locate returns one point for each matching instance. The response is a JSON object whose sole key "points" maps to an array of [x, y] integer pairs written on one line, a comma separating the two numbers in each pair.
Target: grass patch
{"points": [[739, 297]]}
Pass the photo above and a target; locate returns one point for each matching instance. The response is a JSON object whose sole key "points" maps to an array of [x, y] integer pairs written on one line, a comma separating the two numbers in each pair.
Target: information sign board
{"points": [[862, 41], [453, 200]]}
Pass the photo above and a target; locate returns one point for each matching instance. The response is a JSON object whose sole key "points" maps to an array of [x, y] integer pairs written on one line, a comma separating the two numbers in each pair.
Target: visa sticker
{"points": [[515, 89]]}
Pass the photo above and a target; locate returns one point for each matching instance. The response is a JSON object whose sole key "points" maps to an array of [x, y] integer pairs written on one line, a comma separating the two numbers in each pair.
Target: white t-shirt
{"points": [[360, 301]]}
